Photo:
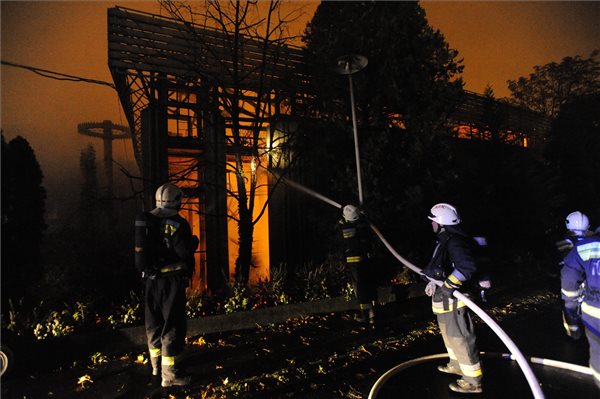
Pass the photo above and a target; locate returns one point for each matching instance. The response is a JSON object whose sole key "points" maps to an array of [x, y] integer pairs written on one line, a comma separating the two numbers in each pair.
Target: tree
{"points": [[573, 149], [403, 98], [412, 75], [23, 225], [87, 257], [89, 195], [246, 90], [495, 117], [552, 85]]}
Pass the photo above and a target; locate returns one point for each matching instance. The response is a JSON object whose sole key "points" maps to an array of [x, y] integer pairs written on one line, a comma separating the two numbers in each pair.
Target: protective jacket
{"points": [[565, 245], [357, 253], [453, 263], [178, 246], [357, 240], [164, 245], [581, 265]]}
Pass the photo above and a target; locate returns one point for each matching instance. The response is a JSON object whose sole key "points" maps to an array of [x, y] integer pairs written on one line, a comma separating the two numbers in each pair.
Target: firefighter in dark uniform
{"points": [[357, 237], [164, 252], [577, 225], [453, 263], [580, 289]]}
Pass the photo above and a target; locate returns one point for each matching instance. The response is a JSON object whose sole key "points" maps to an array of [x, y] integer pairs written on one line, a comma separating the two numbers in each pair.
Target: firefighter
{"points": [[164, 252], [357, 238], [453, 263], [577, 225], [580, 290]]}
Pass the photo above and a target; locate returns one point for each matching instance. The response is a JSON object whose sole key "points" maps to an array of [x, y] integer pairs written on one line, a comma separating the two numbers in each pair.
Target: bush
{"points": [[199, 304], [271, 292], [127, 314], [326, 280], [309, 283]]}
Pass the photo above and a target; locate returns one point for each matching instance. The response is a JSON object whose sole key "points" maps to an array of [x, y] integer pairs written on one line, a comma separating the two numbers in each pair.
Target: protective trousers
{"points": [[459, 337], [594, 342], [165, 318], [362, 280]]}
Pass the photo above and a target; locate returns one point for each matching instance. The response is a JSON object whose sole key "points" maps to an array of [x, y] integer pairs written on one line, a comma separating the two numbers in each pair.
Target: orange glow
{"points": [[469, 132], [185, 169], [260, 245], [182, 119]]}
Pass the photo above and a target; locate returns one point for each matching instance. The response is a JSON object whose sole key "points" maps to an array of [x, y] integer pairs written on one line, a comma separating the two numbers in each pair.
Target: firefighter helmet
{"points": [[351, 213], [168, 196], [444, 214], [577, 221]]}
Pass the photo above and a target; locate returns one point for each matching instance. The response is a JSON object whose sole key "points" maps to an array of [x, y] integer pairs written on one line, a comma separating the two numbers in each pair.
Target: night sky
{"points": [[498, 41]]}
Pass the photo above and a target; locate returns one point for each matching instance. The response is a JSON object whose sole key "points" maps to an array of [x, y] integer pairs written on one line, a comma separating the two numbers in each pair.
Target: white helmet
{"points": [[444, 214], [168, 196], [351, 213], [577, 221]]}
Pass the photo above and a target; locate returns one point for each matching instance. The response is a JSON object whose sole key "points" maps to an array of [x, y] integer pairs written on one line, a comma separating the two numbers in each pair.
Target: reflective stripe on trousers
{"points": [[459, 338], [173, 268], [354, 259]]}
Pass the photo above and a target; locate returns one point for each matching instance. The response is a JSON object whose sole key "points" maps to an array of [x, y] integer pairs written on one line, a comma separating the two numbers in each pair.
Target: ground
{"points": [[331, 356]]}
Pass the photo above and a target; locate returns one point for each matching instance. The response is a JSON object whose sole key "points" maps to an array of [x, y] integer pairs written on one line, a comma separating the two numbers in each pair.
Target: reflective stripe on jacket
{"points": [[452, 257], [356, 239]]}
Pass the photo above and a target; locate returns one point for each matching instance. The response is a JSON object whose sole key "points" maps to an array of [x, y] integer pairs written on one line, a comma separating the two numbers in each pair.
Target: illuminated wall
{"points": [[260, 245], [184, 172]]}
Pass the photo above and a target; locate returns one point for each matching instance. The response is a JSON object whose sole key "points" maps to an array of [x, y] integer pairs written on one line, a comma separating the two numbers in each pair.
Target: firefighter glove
{"points": [[430, 288], [572, 321], [447, 289]]}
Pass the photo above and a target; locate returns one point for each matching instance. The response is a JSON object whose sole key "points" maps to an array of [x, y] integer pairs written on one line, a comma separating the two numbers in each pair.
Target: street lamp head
{"points": [[349, 64]]}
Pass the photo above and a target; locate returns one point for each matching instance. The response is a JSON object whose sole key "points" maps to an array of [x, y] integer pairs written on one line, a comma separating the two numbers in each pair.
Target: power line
{"points": [[59, 76]]}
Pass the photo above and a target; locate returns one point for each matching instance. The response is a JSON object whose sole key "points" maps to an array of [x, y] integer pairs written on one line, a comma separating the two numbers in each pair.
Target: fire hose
{"points": [[413, 362], [518, 356]]}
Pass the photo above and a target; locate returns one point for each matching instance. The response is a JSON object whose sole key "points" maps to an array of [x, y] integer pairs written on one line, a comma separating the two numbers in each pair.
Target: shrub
{"points": [[199, 304], [239, 298], [127, 314], [271, 292]]}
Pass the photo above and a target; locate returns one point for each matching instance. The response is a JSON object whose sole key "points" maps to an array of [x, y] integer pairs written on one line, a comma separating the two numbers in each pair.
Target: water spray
{"points": [[310, 192]]}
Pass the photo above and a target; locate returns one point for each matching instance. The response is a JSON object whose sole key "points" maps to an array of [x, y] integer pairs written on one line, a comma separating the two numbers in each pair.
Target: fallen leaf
{"points": [[86, 379]]}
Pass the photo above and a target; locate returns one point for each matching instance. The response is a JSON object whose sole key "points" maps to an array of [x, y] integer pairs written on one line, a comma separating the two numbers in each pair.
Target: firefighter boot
{"points": [[449, 368], [366, 314], [155, 361], [171, 376], [463, 386], [371, 314]]}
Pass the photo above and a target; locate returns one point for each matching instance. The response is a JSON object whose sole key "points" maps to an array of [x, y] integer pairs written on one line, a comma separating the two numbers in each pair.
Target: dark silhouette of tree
{"points": [[494, 117], [552, 85], [573, 150], [88, 257], [403, 98], [23, 225], [412, 77], [89, 194]]}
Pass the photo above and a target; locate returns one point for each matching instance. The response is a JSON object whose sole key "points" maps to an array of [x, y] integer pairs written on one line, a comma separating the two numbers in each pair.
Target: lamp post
{"points": [[348, 65]]}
